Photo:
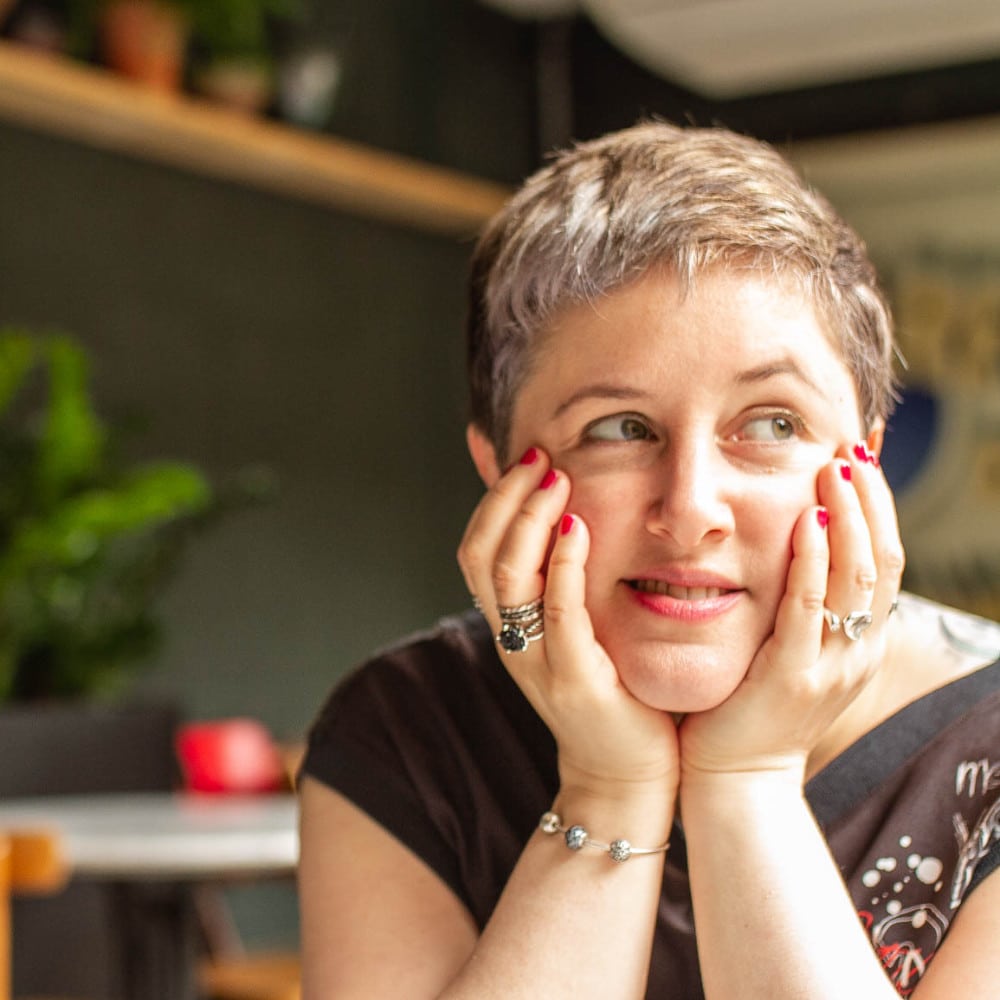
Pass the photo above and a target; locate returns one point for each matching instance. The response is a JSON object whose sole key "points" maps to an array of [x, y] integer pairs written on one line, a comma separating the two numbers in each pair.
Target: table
{"points": [[153, 849]]}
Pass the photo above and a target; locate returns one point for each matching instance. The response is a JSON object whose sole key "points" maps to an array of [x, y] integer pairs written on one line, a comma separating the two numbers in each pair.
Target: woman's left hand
{"points": [[804, 675]]}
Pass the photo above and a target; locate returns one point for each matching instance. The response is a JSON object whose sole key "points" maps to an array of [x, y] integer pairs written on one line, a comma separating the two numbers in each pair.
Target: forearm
{"points": [[576, 923], [773, 918]]}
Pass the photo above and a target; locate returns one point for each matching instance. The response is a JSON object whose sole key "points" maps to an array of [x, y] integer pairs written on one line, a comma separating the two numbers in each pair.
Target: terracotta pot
{"points": [[145, 40], [240, 84]]}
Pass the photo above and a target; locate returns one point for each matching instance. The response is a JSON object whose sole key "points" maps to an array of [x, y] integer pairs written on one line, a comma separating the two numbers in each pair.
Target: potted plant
{"points": [[232, 56], [144, 40], [86, 540], [227, 43]]}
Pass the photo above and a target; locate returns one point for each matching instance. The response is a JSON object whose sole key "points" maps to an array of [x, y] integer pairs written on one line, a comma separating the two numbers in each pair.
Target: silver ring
{"points": [[852, 624], [521, 624], [519, 612], [477, 604]]}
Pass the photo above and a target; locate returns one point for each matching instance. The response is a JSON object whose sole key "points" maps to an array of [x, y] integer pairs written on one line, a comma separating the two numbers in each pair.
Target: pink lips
{"points": [[685, 597]]}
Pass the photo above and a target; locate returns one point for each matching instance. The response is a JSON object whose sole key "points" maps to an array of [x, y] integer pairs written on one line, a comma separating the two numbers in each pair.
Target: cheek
{"points": [[609, 504], [767, 517]]}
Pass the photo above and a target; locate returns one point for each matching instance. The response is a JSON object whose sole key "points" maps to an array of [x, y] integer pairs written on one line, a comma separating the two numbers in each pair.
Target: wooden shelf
{"points": [[97, 108]]}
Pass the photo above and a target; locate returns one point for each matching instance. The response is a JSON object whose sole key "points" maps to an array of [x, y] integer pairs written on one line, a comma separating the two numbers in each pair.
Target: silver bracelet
{"points": [[577, 837]]}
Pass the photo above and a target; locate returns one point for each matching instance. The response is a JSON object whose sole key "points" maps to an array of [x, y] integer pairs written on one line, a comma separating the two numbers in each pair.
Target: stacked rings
{"points": [[520, 624]]}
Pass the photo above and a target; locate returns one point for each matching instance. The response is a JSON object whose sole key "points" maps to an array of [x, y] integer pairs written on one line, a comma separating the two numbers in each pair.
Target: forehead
{"points": [[658, 327]]}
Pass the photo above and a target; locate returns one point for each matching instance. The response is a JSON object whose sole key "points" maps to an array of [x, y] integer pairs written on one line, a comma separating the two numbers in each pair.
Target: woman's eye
{"points": [[618, 428], [773, 429]]}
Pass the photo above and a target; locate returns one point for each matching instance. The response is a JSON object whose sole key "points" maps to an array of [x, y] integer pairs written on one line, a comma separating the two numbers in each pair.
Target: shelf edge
{"points": [[96, 108]]}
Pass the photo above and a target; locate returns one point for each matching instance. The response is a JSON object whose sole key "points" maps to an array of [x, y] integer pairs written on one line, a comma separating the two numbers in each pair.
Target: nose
{"points": [[690, 497]]}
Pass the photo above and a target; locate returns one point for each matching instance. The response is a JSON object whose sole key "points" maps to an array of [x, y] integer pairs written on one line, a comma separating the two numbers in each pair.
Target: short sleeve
{"points": [[434, 741]]}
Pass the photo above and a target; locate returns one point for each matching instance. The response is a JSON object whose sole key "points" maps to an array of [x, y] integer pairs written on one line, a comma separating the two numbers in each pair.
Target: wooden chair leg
{"points": [[31, 862], [262, 976]]}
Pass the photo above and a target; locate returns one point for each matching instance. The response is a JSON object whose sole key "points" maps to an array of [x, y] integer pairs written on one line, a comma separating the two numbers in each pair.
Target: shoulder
{"points": [[427, 665], [939, 644], [422, 708], [434, 741]]}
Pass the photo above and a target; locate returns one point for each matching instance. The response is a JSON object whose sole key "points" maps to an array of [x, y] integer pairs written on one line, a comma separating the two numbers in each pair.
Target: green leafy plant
{"points": [[218, 28], [236, 28], [86, 541]]}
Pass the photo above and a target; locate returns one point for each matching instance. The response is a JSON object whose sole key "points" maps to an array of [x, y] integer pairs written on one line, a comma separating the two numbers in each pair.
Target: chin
{"points": [[683, 680]]}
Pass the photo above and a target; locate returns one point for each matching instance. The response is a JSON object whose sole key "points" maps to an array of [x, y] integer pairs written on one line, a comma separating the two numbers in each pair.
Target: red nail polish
{"points": [[566, 524], [863, 454], [823, 517], [548, 479], [529, 457], [845, 471]]}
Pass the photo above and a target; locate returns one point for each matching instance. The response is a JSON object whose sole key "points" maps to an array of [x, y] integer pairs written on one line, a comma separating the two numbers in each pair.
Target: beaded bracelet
{"points": [[577, 837]]}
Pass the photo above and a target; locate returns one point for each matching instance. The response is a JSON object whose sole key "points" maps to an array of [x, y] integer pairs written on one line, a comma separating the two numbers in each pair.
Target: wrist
{"points": [[781, 781], [643, 813]]}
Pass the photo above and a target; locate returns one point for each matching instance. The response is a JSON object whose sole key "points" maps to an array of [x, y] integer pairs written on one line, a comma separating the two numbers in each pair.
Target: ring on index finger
{"points": [[853, 624], [520, 625]]}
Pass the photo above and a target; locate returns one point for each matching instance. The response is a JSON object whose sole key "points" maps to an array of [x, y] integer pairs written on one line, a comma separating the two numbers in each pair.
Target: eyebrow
{"points": [[598, 390], [611, 390], [776, 368]]}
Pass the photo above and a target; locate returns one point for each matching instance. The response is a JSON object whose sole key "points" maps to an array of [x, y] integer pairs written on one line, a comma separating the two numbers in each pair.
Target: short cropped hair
{"points": [[605, 212]]}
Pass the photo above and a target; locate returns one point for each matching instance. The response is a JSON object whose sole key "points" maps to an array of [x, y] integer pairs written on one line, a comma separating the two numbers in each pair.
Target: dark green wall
{"points": [[242, 328]]}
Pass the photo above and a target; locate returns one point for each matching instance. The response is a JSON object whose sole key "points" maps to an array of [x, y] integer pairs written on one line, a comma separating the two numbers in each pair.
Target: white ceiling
{"points": [[730, 48]]}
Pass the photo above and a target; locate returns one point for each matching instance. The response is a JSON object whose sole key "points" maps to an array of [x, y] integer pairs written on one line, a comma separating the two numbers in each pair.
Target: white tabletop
{"points": [[167, 836]]}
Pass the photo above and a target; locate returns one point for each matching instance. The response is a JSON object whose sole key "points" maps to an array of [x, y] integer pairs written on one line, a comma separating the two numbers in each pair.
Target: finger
{"points": [[798, 636], [490, 521], [879, 510], [519, 569], [853, 574], [569, 632]]}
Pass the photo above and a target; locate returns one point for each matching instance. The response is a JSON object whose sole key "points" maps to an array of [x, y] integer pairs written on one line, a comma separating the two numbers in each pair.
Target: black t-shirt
{"points": [[438, 745]]}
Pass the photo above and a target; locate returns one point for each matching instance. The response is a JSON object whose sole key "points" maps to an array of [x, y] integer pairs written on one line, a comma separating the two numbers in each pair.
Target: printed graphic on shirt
{"points": [[905, 934], [911, 897], [975, 779]]}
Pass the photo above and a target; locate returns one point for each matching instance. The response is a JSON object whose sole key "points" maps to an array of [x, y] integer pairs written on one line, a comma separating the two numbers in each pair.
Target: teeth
{"points": [[680, 593]]}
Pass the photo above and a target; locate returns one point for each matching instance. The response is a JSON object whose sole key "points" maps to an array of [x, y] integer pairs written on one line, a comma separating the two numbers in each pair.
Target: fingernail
{"points": [[823, 517], [529, 457], [845, 471], [863, 454], [566, 524], [548, 479]]}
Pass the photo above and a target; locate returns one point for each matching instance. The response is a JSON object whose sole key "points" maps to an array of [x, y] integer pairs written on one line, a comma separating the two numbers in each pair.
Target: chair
{"points": [[30, 863], [74, 748], [257, 976], [228, 971]]}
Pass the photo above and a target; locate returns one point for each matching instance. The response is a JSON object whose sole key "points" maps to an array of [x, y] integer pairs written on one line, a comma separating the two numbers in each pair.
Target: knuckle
{"points": [[505, 577], [470, 556], [894, 560], [865, 579], [555, 614], [530, 516], [812, 601]]}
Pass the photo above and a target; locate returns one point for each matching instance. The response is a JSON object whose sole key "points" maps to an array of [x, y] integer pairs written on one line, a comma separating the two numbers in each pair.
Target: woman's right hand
{"points": [[521, 544]]}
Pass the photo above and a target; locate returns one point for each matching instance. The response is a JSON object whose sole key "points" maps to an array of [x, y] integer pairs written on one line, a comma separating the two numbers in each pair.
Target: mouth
{"points": [[679, 593]]}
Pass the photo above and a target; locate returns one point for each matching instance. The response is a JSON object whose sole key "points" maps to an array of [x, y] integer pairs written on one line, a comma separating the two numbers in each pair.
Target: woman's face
{"points": [[692, 428]]}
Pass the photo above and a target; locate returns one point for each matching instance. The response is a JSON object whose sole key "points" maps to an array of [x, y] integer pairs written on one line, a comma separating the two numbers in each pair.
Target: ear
{"points": [[876, 437], [484, 455]]}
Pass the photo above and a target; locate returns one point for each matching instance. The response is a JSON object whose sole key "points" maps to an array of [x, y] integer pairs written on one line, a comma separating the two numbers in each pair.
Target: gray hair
{"points": [[604, 212]]}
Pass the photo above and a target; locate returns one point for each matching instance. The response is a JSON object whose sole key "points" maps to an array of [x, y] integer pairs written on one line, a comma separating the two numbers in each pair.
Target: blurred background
{"points": [[287, 319]]}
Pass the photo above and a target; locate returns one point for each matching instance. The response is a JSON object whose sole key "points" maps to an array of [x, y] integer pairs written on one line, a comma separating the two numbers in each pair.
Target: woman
{"points": [[754, 780]]}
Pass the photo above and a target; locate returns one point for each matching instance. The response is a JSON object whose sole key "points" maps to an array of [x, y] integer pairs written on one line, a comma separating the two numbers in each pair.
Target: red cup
{"points": [[229, 755]]}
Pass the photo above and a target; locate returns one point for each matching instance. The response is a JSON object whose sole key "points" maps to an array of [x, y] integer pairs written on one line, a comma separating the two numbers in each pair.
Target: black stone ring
{"points": [[515, 638], [520, 625]]}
